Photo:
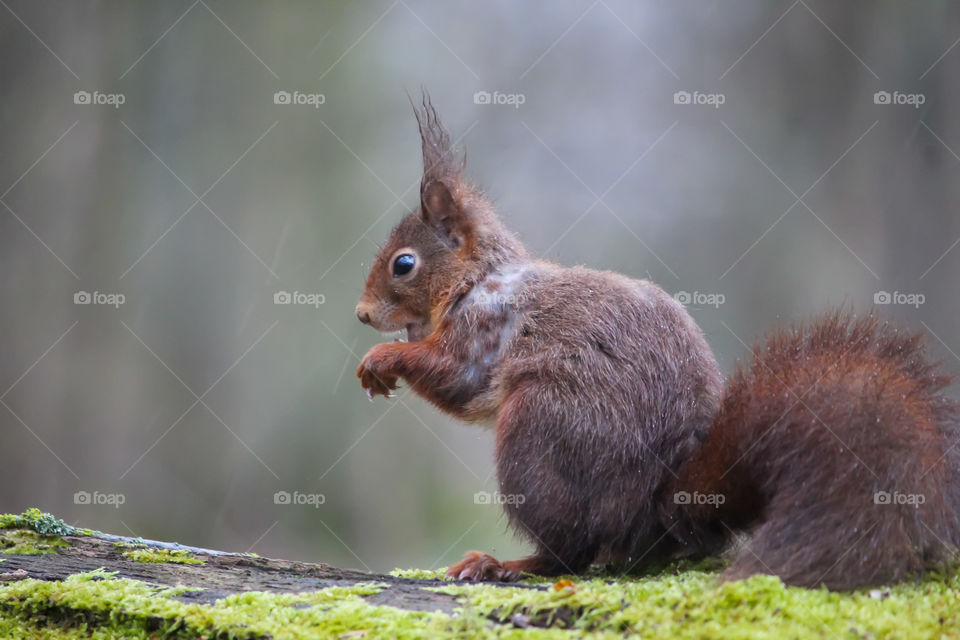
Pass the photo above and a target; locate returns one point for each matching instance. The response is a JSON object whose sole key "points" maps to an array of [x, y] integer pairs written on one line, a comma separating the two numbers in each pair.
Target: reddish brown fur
{"points": [[603, 391], [824, 419]]}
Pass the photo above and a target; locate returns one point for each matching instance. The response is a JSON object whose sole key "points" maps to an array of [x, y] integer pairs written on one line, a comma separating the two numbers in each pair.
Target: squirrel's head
{"points": [[440, 249]]}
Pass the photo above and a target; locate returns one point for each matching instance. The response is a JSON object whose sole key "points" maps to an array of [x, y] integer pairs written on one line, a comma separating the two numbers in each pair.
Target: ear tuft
{"points": [[442, 174], [439, 158]]}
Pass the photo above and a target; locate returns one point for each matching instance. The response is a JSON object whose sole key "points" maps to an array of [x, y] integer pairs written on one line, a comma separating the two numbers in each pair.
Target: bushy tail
{"points": [[837, 453]]}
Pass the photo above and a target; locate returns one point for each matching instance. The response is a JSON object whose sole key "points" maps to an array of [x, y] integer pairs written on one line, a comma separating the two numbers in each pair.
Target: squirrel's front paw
{"points": [[481, 567], [376, 371]]}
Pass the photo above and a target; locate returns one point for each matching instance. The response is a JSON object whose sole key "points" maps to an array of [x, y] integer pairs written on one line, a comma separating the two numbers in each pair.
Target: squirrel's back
{"points": [[837, 452]]}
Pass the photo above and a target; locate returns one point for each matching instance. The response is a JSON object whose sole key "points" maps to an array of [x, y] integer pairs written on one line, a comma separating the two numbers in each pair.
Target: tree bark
{"points": [[220, 575]]}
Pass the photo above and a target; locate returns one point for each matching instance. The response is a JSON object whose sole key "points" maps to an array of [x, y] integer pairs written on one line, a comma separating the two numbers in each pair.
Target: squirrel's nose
{"points": [[363, 316]]}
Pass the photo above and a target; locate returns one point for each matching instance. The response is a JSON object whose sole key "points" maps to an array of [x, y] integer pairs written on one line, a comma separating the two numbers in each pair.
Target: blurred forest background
{"points": [[151, 157]]}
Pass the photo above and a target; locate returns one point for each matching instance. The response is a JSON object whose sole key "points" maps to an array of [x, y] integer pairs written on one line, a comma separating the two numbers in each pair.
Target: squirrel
{"points": [[831, 459]]}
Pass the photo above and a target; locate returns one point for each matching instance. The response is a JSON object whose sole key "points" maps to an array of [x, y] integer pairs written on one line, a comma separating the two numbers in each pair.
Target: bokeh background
{"points": [[785, 186]]}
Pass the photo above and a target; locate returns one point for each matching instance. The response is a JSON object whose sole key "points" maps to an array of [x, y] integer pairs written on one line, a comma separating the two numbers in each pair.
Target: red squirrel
{"points": [[831, 459]]}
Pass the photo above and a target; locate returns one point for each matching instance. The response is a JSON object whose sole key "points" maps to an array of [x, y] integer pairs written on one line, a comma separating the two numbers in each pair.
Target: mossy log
{"points": [[37, 547], [211, 575], [58, 582]]}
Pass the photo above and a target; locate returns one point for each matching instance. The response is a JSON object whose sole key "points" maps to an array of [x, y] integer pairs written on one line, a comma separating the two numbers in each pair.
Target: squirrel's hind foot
{"points": [[481, 567]]}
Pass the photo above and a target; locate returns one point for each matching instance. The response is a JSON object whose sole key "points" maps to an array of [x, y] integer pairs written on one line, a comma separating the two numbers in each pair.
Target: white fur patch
{"points": [[501, 294], [501, 288]]}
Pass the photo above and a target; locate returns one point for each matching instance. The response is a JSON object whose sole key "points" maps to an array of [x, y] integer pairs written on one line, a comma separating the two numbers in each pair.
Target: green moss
{"points": [[420, 574], [43, 523], [176, 556], [687, 605], [693, 605], [133, 609], [34, 532], [140, 552], [26, 542], [13, 627]]}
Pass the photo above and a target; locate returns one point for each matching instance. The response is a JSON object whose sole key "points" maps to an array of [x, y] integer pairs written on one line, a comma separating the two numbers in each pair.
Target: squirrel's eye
{"points": [[403, 265]]}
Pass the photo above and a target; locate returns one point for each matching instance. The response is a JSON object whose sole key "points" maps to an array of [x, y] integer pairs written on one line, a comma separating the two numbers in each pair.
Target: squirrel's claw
{"points": [[375, 383], [477, 566]]}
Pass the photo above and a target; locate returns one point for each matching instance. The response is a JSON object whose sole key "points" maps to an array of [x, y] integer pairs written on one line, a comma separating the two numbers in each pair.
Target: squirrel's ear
{"points": [[441, 212], [441, 176]]}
